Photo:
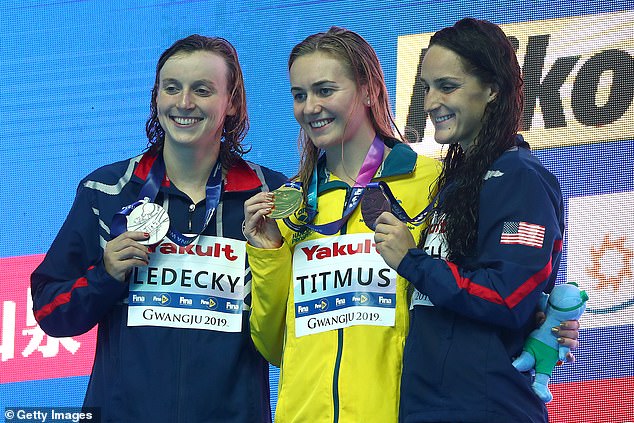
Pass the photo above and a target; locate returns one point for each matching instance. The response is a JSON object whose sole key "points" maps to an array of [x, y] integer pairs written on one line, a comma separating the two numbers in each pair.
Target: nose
{"points": [[185, 100], [431, 100], [312, 105]]}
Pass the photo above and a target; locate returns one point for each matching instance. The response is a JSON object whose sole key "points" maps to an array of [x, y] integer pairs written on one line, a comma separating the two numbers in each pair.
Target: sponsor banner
{"points": [[578, 74], [23, 345], [339, 282], [600, 249]]}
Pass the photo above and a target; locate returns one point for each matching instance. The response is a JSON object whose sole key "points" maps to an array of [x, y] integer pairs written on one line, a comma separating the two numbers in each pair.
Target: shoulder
{"points": [[117, 173], [521, 163]]}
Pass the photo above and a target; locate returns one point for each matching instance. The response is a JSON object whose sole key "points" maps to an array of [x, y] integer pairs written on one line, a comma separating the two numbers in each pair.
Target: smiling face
{"points": [[455, 100], [327, 103], [193, 99]]}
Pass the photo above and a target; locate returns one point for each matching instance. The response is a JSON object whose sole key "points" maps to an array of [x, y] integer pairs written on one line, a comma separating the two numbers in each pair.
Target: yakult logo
{"points": [[578, 81], [216, 250], [337, 250]]}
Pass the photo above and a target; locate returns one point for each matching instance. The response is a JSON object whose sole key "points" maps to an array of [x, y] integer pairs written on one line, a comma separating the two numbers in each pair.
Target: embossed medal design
{"points": [[150, 218], [287, 201]]}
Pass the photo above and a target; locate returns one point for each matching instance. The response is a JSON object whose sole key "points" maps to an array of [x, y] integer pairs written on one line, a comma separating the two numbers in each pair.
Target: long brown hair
{"points": [[364, 68], [487, 54]]}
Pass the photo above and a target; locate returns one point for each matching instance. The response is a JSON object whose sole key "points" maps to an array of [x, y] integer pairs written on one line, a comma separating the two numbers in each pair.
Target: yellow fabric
{"points": [[369, 370]]}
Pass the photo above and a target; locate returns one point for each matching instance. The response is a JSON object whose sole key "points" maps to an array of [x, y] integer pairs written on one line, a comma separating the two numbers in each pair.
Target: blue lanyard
{"points": [[149, 191]]}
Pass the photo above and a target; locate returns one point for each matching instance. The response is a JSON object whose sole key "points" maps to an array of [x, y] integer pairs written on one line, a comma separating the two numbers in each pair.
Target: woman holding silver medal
{"points": [[152, 251], [325, 307]]}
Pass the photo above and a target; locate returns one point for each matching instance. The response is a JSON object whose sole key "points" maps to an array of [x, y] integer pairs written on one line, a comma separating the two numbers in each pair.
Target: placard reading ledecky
{"points": [[340, 282], [198, 286]]}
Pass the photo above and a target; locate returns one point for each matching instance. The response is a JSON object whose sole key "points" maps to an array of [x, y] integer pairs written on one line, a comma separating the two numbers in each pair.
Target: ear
{"points": [[494, 92]]}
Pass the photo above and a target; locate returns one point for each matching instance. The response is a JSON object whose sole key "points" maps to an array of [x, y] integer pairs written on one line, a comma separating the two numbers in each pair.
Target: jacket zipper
{"points": [[335, 376]]}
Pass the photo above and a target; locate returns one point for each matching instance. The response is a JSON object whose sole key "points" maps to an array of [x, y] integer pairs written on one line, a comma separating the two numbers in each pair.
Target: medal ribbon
{"points": [[371, 163], [150, 190], [396, 209]]}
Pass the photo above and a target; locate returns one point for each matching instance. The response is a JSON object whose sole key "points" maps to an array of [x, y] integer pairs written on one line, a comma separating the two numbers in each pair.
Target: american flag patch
{"points": [[523, 233]]}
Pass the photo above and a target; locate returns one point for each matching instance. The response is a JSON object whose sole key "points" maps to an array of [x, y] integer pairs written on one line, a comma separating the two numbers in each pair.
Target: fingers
{"points": [[570, 357], [570, 324], [256, 208], [124, 252], [257, 229], [386, 219]]}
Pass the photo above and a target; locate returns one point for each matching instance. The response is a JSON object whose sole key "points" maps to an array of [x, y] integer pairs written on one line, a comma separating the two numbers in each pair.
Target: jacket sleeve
{"points": [[71, 289], [504, 286], [270, 279]]}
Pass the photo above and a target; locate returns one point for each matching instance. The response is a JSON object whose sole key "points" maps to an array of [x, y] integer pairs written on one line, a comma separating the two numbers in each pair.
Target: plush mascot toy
{"points": [[541, 350]]}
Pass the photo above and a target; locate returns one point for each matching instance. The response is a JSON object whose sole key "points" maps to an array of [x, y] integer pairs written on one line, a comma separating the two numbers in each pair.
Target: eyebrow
{"points": [[199, 81], [443, 79], [315, 84]]}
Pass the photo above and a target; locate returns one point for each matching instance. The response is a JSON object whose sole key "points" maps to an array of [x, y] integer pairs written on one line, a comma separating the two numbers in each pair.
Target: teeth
{"points": [[320, 123], [186, 120], [443, 118]]}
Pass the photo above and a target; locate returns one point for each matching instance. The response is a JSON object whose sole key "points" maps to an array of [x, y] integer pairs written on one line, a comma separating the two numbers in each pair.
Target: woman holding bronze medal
{"points": [[337, 326], [153, 252], [493, 244]]}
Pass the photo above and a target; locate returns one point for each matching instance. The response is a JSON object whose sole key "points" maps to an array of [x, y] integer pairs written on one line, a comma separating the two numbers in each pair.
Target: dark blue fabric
{"points": [[457, 364], [149, 374]]}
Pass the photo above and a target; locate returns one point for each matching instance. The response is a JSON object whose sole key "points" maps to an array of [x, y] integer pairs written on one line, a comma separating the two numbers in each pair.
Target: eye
{"points": [[171, 89], [299, 96], [447, 88], [203, 91], [325, 91]]}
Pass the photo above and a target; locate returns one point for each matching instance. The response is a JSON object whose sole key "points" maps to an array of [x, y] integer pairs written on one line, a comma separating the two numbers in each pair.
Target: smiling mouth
{"points": [[444, 118], [320, 123], [186, 120]]}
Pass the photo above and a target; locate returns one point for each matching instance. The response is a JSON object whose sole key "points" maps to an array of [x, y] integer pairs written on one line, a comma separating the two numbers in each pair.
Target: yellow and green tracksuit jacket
{"points": [[344, 375]]}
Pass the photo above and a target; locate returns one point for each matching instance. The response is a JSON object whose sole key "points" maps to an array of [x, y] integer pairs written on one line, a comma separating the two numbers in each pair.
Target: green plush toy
{"points": [[541, 350]]}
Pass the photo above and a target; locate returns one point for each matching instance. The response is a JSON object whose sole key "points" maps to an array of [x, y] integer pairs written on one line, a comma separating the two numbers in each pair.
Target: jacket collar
{"points": [[401, 160], [239, 177]]}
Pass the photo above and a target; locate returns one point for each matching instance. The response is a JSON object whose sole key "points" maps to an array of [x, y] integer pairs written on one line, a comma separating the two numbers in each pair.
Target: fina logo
{"points": [[163, 299], [213, 303], [322, 305], [364, 299]]}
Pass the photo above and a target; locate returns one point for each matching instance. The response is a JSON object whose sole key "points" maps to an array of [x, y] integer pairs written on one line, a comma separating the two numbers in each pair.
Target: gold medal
{"points": [[287, 201]]}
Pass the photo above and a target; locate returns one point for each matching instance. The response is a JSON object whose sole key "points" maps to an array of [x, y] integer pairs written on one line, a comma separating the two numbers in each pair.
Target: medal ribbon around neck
{"points": [[379, 198], [149, 191], [371, 164]]}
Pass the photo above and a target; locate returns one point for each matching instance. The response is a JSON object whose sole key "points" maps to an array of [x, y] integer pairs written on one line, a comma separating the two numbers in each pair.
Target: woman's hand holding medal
{"points": [[260, 231], [393, 239], [125, 252]]}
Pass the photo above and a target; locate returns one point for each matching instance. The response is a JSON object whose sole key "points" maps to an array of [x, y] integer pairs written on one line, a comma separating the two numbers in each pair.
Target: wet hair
{"points": [[486, 53], [235, 127], [364, 68]]}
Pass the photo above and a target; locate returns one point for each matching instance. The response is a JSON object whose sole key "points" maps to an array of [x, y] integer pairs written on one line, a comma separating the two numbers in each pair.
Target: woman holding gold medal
{"points": [[152, 251], [326, 307]]}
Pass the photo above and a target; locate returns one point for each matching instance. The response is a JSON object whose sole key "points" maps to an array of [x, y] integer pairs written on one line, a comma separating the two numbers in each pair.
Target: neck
{"points": [[345, 160], [189, 168]]}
